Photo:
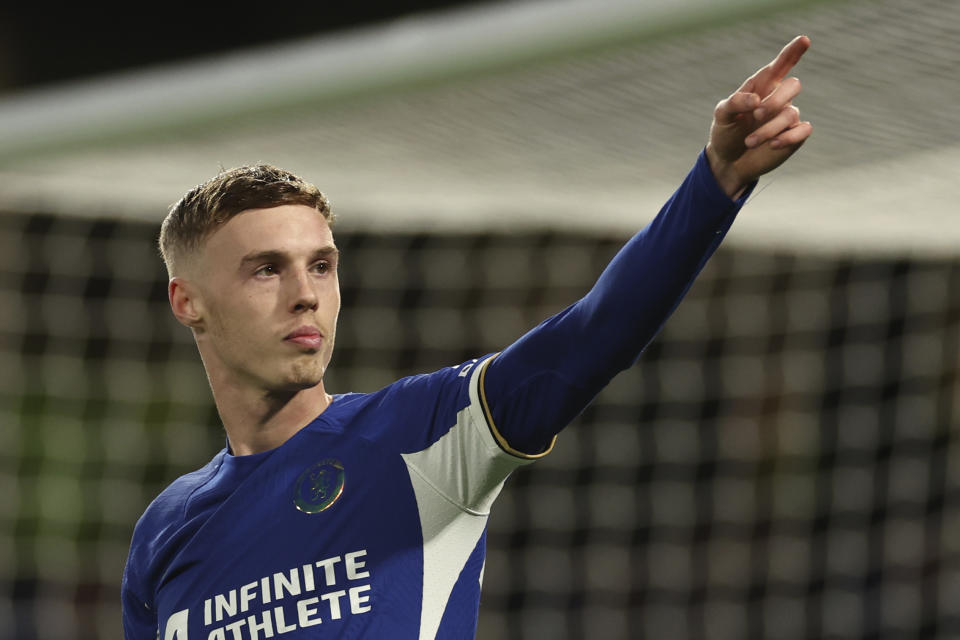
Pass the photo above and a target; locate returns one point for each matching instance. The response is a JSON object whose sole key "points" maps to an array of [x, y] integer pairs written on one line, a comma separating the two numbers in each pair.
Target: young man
{"points": [[364, 515]]}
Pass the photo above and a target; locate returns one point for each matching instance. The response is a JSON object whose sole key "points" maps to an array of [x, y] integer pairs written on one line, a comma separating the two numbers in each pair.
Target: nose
{"points": [[303, 296]]}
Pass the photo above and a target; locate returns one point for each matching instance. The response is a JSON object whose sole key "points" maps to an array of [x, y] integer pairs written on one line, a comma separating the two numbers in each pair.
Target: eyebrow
{"points": [[275, 255]]}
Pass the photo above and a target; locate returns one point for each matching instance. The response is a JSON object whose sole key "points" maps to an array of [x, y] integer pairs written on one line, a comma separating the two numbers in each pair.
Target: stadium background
{"points": [[782, 463]]}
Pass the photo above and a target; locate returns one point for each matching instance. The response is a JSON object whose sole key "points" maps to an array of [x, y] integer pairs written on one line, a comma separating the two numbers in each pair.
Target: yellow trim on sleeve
{"points": [[493, 427]]}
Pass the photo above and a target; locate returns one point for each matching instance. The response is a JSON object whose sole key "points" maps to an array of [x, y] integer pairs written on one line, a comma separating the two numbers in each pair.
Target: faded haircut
{"points": [[210, 205]]}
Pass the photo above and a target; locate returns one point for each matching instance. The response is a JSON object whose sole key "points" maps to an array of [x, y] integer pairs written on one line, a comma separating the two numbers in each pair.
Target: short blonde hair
{"points": [[208, 206]]}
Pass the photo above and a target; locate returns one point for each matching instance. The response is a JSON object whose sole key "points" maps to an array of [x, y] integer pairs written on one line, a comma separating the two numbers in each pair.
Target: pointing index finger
{"points": [[788, 57], [766, 79]]}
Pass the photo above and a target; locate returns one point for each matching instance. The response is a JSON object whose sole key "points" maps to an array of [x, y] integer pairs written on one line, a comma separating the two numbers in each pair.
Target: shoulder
{"points": [[414, 392], [452, 382], [169, 510], [410, 412], [157, 532], [175, 497]]}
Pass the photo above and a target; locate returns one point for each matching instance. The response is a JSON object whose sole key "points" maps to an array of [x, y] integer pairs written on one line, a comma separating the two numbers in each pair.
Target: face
{"points": [[268, 299]]}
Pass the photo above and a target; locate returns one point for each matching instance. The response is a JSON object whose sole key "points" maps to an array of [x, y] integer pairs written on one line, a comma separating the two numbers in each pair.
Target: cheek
{"points": [[335, 295], [234, 319]]}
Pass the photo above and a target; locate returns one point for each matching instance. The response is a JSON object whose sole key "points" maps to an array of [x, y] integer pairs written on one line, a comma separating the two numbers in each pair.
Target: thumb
{"points": [[738, 103]]}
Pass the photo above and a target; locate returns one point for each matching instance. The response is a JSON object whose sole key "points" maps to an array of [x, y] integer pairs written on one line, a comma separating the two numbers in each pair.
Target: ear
{"points": [[184, 303]]}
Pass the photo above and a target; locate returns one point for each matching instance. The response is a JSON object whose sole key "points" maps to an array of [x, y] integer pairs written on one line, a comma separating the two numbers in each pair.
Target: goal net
{"points": [[782, 462]]}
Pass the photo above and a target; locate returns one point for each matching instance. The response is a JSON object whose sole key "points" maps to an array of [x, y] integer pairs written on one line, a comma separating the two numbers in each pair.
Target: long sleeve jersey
{"points": [[370, 521]]}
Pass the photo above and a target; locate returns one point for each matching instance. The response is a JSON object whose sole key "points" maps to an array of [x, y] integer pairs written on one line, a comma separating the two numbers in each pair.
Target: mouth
{"points": [[308, 337]]}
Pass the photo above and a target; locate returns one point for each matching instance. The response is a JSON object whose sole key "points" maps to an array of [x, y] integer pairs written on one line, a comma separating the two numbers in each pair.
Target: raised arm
{"points": [[542, 381]]}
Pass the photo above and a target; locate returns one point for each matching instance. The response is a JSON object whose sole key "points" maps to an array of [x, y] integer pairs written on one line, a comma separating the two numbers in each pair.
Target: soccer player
{"points": [[364, 514]]}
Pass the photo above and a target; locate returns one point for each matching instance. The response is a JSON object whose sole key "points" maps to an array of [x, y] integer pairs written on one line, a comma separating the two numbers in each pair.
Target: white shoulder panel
{"points": [[449, 536], [455, 481], [466, 464]]}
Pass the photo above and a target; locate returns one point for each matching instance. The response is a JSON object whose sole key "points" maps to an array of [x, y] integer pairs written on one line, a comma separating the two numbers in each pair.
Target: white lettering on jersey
{"points": [[358, 603], [176, 627], [306, 612], [466, 369], [248, 594], [256, 627], [354, 565], [279, 588]]}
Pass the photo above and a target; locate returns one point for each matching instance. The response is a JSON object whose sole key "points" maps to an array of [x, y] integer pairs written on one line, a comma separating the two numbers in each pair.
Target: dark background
{"points": [[41, 45]]}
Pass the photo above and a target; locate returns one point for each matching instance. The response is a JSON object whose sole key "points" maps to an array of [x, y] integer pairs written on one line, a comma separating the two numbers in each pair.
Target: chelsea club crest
{"points": [[319, 486]]}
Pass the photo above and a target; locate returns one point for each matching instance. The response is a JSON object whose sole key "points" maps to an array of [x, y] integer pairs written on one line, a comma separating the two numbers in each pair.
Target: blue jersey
{"points": [[370, 521]]}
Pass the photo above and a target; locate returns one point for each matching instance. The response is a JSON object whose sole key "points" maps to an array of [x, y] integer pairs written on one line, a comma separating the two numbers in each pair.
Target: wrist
{"points": [[725, 174]]}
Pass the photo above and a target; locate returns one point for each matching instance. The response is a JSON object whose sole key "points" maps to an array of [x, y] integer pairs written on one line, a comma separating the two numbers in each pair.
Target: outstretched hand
{"points": [[757, 128]]}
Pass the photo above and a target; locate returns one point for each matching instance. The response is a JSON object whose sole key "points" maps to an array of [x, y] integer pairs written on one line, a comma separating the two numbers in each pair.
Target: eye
{"points": [[323, 266], [266, 270]]}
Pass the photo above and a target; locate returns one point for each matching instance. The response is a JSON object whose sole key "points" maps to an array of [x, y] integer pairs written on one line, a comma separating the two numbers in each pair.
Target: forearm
{"points": [[539, 383]]}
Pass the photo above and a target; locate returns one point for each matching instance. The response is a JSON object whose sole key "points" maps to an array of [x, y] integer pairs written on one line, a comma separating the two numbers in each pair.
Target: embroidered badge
{"points": [[319, 486]]}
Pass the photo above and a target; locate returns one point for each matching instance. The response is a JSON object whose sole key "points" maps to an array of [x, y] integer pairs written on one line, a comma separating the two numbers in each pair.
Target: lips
{"points": [[309, 337]]}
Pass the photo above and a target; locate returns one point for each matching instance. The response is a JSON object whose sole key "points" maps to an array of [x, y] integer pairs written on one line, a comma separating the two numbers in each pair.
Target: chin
{"points": [[294, 377], [300, 383], [300, 380], [287, 388]]}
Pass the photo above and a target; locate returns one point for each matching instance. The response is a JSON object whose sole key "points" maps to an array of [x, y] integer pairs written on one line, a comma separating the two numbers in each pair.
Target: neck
{"points": [[256, 420]]}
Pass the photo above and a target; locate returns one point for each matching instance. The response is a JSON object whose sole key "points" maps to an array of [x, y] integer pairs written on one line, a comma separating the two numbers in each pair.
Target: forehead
{"points": [[291, 229]]}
